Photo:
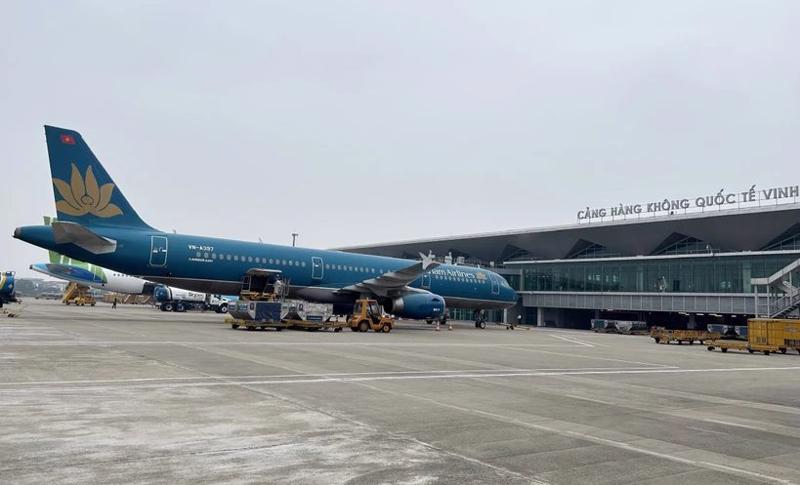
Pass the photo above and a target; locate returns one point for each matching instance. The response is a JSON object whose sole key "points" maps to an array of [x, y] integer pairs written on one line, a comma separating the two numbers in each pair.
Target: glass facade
{"points": [[689, 245], [707, 274], [788, 244], [594, 251]]}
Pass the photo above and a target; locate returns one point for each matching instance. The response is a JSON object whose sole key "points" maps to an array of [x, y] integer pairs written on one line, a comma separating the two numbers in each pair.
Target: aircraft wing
{"points": [[394, 280]]}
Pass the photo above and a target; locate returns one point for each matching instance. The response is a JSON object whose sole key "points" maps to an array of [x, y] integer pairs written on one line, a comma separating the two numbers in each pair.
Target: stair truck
{"points": [[79, 295]]}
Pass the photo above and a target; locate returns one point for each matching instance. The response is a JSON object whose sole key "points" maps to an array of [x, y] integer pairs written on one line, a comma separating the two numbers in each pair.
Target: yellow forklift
{"points": [[368, 314]]}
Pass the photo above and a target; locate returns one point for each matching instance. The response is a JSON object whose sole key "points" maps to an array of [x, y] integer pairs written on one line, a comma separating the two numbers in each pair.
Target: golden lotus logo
{"points": [[480, 275], [84, 196]]}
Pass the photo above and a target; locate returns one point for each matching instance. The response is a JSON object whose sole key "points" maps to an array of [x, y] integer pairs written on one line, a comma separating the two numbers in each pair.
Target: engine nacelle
{"points": [[419, 306]]}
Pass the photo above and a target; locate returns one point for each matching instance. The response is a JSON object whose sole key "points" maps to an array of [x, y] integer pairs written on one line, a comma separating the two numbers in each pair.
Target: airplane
{"points": [[96, 223], [92, 276], [7, 294]]}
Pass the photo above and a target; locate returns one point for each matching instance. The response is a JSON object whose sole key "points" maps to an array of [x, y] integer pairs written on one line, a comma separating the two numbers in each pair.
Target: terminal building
{"points": [[682, 268]]}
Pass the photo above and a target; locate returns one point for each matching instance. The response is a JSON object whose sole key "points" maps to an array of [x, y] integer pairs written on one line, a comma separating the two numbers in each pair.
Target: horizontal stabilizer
{"points": [[74, 233]]}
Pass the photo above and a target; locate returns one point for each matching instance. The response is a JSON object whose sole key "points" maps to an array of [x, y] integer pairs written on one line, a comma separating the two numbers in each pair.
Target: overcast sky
{"points": [[369, 121]]}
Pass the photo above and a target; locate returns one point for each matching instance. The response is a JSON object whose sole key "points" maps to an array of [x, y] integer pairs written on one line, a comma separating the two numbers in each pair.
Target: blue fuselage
{"points": [[214, 265]]}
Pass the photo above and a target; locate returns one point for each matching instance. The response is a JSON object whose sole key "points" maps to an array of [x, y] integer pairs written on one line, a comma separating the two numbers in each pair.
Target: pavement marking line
{"points": [[300, 380], [595, 439], [574, 341], [580, 356], [598, 401], [122, 343], [728, 423], [277, 376]]}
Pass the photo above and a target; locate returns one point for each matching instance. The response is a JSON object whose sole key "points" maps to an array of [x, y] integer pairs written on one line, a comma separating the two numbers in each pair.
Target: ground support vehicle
{"points": [[263, 304], [626, 327], [177, 300], [78, 295], [664, 336], [368, 314], [217, 303], [282, 324], [765, 335]]}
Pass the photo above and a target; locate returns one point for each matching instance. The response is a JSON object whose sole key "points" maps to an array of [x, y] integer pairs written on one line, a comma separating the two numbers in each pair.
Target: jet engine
{"points": [[419, 306]]}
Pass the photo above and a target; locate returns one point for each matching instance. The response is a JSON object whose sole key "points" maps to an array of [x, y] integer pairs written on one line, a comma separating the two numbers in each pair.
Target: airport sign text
{"points": [[720, 200]]}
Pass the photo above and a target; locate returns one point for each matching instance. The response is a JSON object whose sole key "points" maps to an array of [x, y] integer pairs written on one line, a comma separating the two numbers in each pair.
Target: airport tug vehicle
{"points": [[368, 314]]}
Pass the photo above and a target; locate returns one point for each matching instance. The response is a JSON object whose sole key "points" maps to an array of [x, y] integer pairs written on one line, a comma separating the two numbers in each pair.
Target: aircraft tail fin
{"points": [[84, 191]]}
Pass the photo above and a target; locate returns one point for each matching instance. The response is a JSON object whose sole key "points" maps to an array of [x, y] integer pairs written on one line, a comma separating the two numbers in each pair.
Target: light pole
{"points": [[294, 238]]}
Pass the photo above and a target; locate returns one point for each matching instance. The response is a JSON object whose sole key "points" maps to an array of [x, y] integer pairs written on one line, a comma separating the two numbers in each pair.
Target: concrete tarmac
{"points": [[135, 395]]}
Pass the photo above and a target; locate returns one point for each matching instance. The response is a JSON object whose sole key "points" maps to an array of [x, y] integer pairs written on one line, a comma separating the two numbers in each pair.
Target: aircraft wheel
{"points": [[363, 326], [481, 324]]}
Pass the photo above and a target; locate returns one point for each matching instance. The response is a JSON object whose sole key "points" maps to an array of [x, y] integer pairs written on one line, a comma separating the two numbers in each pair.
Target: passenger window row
{"points": [[357, 269], [251, 259]]}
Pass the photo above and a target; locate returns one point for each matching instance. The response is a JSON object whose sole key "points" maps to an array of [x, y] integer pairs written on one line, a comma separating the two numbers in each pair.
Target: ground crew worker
{"points": [[114, 305]]}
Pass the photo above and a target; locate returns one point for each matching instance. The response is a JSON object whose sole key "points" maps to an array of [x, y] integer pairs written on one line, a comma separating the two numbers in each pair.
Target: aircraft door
{"points": [[426, 281], [158, 251], [495, 285], [317, 270]]}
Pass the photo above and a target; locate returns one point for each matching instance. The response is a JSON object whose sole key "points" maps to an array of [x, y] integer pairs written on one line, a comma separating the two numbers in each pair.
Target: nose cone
{"points": [[509, 295]]}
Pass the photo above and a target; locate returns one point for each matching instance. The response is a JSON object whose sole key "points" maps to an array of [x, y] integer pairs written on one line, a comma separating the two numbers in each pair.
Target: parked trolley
{"points": [[664, 336], [764, 335]]}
